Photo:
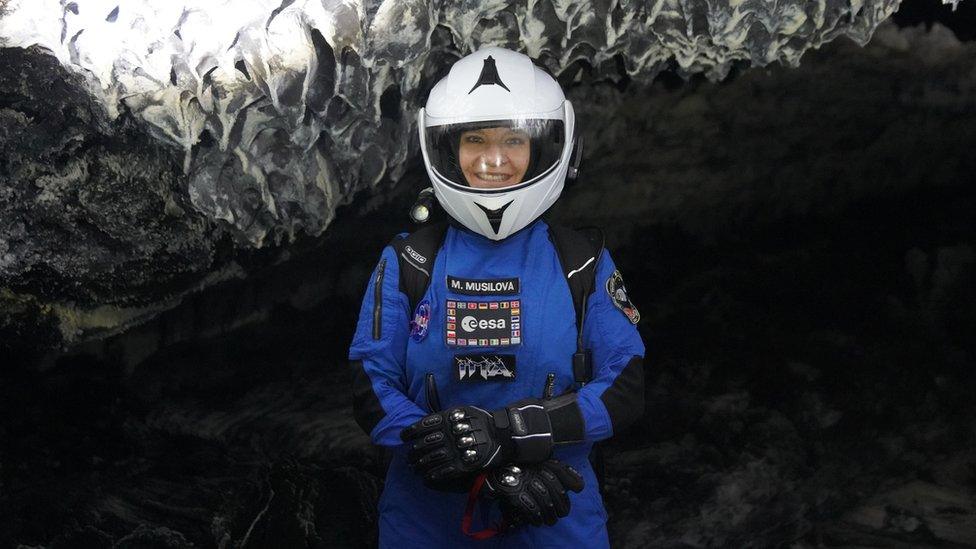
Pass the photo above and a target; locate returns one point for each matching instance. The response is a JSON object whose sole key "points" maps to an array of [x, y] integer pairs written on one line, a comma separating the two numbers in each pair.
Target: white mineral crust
{"points": [[283, 109]]}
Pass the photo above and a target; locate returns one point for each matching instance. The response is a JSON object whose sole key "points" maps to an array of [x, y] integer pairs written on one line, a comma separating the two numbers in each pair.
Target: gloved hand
{"points": [[532, 494], [467, 439], [454, 444]]}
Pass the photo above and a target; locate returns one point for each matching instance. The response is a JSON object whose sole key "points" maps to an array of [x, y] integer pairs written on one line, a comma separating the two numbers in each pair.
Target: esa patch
{"points": [[618, 295], [486, 367], [483, 323], [420, 322]]}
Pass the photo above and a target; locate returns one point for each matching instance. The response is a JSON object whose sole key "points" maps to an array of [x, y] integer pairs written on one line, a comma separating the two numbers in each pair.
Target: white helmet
{"points": [[517, 129]]}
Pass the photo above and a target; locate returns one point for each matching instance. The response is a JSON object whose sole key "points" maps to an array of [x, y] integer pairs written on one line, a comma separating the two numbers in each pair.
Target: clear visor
{"points": [[495, 154]]}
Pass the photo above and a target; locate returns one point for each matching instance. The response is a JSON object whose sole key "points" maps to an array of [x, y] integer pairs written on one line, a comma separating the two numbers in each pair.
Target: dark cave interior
{"points": [[809, 330]]}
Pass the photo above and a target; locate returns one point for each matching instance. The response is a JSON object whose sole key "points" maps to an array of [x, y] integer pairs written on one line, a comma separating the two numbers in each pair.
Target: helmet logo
{"points": [[495, 216], [489, 76]]}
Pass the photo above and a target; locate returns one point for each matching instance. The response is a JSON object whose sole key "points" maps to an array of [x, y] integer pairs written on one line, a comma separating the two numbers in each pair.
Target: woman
{"points": [[521, 330]]}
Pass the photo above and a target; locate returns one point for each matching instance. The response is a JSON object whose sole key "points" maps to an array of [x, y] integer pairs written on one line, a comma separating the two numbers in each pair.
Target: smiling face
{"points": [[494, 158]]}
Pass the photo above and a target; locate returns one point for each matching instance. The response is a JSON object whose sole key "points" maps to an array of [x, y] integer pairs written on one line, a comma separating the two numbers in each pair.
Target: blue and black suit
{"points": [[497, 318]]}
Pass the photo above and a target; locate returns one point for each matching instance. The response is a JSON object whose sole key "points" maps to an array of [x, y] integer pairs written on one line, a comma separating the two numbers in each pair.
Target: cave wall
{"points": [[846, 126], [148, 146], [800, 244], [799, 239]]}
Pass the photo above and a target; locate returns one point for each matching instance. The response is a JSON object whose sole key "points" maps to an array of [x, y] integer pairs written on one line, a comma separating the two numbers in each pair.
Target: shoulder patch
{"points": [[420, 322], [618, 295]]}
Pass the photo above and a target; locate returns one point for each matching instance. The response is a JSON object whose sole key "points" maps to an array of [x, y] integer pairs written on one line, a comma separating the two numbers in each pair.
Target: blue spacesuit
{"points": [[496, 320]]}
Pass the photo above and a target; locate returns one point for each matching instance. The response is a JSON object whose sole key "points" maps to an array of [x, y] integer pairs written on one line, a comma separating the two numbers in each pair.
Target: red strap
{"points": [[487, 533]]}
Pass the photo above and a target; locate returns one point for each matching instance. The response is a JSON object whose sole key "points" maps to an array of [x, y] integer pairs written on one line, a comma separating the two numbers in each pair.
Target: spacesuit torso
{"points": [[496, 320]]}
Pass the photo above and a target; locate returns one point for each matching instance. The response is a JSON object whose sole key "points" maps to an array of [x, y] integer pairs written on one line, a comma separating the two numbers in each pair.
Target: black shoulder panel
{"points": [[579, 251], [416, 253]]}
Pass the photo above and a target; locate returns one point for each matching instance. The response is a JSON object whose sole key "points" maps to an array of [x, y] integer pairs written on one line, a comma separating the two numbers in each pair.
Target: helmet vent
{"points": [[489, 76], [495, 216]]}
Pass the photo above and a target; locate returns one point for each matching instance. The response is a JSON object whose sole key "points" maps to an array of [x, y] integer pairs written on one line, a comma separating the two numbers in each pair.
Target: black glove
{"points": [[533, 494], [467, 439], [454, 444]]}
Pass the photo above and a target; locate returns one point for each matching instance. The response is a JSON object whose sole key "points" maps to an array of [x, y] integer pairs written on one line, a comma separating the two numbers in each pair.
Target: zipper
{"points": [[378, 300], [433, 399], [550, 386]]}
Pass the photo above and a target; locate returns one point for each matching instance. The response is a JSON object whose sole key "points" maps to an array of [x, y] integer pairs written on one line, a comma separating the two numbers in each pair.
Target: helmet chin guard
{"points": [[497, 138]]}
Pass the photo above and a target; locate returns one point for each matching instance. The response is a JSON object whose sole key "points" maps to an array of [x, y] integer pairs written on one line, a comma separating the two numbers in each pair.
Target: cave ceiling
{"points": [[142, 142]]}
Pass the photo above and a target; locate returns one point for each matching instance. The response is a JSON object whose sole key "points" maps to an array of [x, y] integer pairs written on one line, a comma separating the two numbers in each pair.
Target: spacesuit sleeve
{"points": [[378, 357], [615, 397]]}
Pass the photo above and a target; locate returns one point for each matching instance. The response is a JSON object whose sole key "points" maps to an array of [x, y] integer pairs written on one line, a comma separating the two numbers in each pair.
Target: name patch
{"points": [[471, 286], [483, 323], [486, 367]]}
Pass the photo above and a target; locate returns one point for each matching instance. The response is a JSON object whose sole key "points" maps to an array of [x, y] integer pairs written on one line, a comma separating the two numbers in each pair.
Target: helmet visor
{"points": [[495, 155]]}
